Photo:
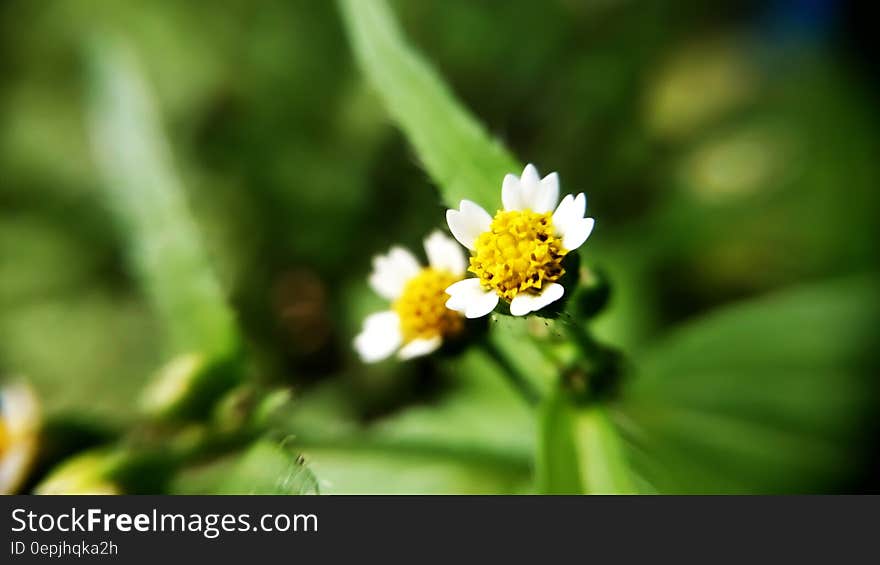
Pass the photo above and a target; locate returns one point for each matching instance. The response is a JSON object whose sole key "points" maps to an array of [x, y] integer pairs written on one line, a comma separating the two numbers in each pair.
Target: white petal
{"points": [[548, 194], [577, 233], [444, 254], [511, 195], [380, 336], [530, 176], [468, 222], [534, 194], [569, 222], [419, 347], [392, 271], [469, 297], [569, 210], [482, 305], [529, 187], [461, 293], [523, 303]]}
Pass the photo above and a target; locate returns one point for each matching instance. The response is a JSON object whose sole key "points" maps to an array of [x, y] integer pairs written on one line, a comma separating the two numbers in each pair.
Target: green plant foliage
{"points": [[455, 149], [465, 163], [166, 249], [85, 372], [270, 468], [580, 451], [382, 471], [603, 464], [725, 405], [179, 195], [557, 466], [150, 203], [476, 439]]}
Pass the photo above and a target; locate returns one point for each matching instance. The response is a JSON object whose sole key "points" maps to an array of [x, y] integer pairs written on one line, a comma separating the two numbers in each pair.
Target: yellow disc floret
{"points": [[519, 253], [422, 307]]}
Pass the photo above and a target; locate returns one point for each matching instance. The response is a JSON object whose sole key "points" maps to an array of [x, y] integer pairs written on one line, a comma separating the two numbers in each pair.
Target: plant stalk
{"points": [[515, 378]]}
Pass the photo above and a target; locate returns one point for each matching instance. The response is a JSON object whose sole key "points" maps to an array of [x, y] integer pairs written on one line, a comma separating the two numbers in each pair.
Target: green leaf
{"points": [[369, 469], [147, 198], [579, 451], [455, 149], [270, 468], [476, 439], [111, 470], [557, 469], [63, 345], [603, 464], [770, 396], [266, 466]]}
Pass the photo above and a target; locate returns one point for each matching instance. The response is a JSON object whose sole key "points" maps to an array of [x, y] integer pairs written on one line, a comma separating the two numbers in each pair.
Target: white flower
{"points": [[517, 255], [19, 430], [418, 320]]}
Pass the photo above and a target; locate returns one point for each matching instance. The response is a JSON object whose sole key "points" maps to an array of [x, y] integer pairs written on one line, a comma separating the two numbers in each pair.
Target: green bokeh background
{"points": [[728, 151]]}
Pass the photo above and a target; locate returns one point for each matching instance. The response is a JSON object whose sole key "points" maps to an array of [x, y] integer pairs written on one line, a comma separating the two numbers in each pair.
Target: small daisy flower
{"points": [[19, 430], [418, 320], [517, 255]]}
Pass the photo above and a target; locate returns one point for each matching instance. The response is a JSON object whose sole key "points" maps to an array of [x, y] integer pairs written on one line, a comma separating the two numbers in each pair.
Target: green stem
{"points": [[600, 370], [517, 380], [591, 349], [546, 351]]}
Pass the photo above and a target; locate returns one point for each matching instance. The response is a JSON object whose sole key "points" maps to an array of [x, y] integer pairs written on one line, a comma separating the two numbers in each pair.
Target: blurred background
{"points": [[729, 151]]}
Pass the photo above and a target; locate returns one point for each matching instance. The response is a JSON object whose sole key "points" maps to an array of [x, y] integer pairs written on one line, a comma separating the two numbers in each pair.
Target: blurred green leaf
{"points": [[368, 470], [478, 438], [579, 451], [87, 352], [767, 396], [111, 470], [206, 477], [455, 149], [482, 413], [89, 472], [40, 260], [270, 468], [149, 201], [557, 470], [603, 464]]}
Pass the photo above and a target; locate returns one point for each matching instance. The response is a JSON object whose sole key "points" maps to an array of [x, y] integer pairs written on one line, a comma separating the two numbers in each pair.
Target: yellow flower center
{"points": [[519, 253], [422, 307]]}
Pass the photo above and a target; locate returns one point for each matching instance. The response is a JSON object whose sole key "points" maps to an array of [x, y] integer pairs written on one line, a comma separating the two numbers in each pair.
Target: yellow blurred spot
{"points": [[4, 438], [697, 87], [745, 162]]}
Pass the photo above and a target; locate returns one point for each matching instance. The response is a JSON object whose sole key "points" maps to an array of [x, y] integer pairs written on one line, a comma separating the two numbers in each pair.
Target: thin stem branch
{"points": [[601, 363], [590, 348], [517, 380]]}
